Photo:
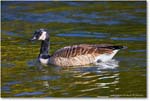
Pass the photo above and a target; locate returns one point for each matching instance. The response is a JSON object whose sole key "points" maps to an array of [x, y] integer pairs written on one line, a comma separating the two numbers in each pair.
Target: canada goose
{"points": [[74, 55]]}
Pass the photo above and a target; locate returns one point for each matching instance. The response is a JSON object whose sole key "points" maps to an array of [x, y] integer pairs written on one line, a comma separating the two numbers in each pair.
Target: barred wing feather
{"points": [[83, 49]]}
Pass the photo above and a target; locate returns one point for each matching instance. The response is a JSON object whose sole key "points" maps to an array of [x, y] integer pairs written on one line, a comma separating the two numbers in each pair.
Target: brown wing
{"points": [[83, 49]]}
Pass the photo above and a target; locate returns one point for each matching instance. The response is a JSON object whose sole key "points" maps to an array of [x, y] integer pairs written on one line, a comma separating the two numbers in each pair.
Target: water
{"points": [[119, 23]]}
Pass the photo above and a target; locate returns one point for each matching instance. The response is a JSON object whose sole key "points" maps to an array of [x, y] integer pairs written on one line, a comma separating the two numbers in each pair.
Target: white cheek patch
{"points": [[43, 36], [34, 38]]}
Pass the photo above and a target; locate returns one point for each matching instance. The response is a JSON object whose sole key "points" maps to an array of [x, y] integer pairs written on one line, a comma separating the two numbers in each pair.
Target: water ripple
{"points": [[29, 93], [84, 34], [129, 38]]}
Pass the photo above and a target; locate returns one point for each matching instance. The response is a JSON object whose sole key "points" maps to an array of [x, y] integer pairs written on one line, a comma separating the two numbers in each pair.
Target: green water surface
{"points": [[119, 23]]}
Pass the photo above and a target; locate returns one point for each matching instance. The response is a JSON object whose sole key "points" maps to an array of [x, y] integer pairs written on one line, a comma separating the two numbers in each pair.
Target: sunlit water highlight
{"points": [[111, 64]]}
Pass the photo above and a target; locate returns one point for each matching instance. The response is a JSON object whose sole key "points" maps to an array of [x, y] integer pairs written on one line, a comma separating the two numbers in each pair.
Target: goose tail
{"points": [[117, 47]]}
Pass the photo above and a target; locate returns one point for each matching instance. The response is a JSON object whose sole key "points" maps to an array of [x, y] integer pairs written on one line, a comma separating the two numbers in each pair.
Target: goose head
{"points": [[40, 34]]}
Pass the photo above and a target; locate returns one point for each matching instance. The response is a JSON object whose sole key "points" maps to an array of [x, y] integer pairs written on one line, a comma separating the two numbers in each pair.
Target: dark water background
{"points": [[119, 23]]}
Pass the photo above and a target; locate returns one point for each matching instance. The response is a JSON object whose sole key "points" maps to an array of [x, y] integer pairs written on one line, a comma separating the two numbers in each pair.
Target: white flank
{"points": [[106, 57], [43, 36], [44, 61]]}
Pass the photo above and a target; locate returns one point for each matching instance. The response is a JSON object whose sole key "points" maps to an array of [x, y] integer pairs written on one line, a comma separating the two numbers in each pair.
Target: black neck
{"points": [[44, 47]]}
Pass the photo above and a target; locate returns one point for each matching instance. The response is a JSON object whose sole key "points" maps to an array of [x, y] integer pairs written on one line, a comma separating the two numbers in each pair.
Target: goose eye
{"points": [[38, 35]]}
